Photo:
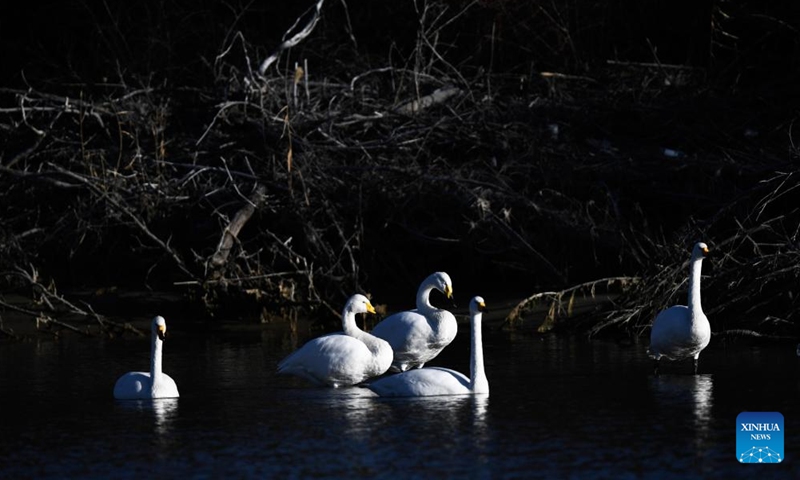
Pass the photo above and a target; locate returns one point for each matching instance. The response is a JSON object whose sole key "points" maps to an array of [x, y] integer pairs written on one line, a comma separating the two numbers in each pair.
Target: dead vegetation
{"points": [[497, 140], [750, 280]]}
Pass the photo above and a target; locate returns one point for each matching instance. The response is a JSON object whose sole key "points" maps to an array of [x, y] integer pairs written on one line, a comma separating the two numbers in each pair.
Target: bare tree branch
{"points": [[296, 37]]}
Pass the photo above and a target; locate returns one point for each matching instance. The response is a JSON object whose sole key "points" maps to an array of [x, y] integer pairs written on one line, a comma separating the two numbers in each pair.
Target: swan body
{"points": [[417, 336], [152, 384], [432, 381], [341, 359], [683, 331]]}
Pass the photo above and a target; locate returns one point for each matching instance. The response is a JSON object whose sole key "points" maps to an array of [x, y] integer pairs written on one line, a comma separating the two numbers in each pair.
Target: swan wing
{"points": [[673, 335], [410, 335], [403, 329], [423, 382], [133, 385], [334, 360], [445, 328], [416, 338]]}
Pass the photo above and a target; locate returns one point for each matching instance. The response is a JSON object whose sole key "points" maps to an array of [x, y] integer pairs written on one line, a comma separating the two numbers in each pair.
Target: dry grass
{"points": [[296, 187]]}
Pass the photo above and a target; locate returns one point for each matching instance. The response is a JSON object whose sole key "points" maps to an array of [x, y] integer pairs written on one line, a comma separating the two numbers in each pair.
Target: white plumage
{"points": [[417, 336], [431, 381], [152, 384], [341, 359], [681, 331]]}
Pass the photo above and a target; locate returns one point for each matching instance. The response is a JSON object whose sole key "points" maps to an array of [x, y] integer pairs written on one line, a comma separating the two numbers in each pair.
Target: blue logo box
{"points": [[759, 437]]}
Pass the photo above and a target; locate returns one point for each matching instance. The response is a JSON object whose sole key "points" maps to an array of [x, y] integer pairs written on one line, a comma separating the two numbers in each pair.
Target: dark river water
{"points": [[559, 408]]}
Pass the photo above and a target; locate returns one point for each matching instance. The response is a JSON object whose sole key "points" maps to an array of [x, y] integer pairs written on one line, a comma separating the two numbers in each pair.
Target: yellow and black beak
{"points": [[704, 250], [161, 332], [448, 291], [481, 307], [370, 308]]}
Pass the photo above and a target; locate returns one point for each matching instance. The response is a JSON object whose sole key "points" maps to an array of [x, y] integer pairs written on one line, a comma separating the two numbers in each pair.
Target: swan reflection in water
{"points": [[359, 412], [480, 426], [692, 392], [442, 426], [702, 394], [480, 405], [163, 412]]}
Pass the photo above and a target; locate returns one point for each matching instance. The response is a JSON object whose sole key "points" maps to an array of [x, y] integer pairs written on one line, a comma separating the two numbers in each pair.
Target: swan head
{"points": [[160, 327], [359, 304], [441, 281], [700, 250], [477, 305]]}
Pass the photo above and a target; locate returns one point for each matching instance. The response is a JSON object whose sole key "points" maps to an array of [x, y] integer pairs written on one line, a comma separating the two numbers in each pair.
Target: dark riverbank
{"points": [[144, 152]]}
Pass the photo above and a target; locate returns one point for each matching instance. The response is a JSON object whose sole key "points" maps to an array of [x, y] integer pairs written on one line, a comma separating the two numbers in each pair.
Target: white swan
{"points": [[417, 336], [681, 332], [426, 382], [341, 359], [152, 384]]}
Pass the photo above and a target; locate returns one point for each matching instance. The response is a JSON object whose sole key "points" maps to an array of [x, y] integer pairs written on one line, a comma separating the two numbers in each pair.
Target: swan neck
{"points": [[424, 297], [694, 288], [156, 345], [350, 328], [349, 325], [478, 381]]}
